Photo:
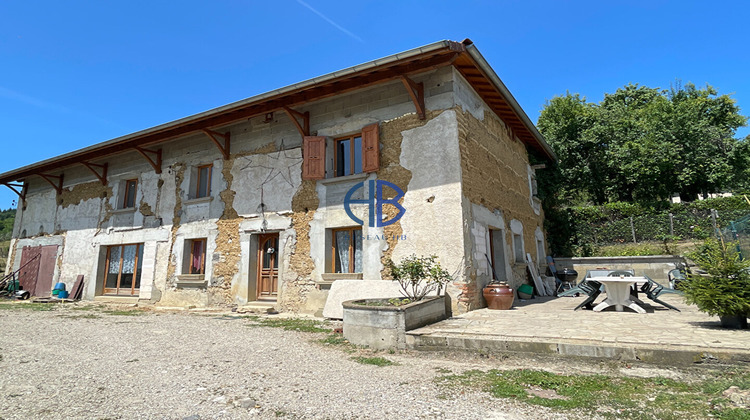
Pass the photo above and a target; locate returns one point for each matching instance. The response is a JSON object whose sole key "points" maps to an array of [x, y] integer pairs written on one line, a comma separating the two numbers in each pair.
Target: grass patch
{"points": [[81, 316], [121, 312], [291, 324], [615, 397], [83, 308], [377, 361]]}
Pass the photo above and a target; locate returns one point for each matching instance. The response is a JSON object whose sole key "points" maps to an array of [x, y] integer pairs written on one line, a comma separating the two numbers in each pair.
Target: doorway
{"points": [[38, 269], [124, 266], [268, 266]]}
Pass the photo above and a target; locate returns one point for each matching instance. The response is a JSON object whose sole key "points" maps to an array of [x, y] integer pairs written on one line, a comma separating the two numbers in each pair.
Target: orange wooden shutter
{"points": [[370, 148], [313, 153]]}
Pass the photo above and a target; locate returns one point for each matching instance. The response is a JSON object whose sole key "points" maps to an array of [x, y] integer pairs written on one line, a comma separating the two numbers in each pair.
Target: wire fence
{"points": [[739, 231], [690, 225]]}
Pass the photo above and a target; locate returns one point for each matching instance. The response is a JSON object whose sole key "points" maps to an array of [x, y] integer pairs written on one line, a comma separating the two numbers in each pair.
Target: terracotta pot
{"points": [[498, 295]]}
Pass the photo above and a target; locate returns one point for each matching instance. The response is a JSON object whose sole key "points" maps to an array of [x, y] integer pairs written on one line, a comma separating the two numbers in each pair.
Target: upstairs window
{"points": [[351, 155], [203, 184], [348, 159], [131, 187]]}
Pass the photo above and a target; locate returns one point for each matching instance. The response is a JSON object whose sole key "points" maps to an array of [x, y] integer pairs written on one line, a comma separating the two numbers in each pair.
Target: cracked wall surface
{"points": [[455, 156]]}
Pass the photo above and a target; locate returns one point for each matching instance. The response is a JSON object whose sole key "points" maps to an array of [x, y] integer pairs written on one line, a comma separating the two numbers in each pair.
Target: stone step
{"points": [[258, 307], [116, 299]]}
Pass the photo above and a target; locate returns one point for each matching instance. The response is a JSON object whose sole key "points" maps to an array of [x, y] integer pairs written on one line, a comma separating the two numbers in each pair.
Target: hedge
{"points": [[578, 230]]}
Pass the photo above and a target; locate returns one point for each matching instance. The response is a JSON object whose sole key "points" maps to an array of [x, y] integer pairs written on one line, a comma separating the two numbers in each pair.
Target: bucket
{"points": [[525, 291], [60, 286], [63, 294]]}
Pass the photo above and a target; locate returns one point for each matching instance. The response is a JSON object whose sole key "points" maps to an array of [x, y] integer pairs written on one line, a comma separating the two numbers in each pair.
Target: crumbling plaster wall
{"points": [[495, 168]]}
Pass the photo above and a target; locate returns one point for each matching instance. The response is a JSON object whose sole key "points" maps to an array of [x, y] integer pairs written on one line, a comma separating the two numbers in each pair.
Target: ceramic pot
{"points": [[498, 295]]}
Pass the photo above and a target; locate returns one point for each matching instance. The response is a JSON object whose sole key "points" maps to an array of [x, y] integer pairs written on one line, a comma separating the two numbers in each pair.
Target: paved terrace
{"points": [[549, 325]]}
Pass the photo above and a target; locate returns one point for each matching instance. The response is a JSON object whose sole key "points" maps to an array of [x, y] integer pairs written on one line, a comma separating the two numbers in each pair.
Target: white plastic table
{"points": [[618, 293]]}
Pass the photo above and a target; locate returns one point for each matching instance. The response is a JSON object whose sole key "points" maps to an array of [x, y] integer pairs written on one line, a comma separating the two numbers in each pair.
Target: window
{"points": [[197, 256], [353, 154], [497, 253], [203, 186], [124, 263], [348, 159], [347, 250], [128, 201]]}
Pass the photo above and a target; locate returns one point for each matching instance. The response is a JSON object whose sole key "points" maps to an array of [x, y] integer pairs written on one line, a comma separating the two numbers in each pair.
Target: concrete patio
{"points": [[550, 326]]}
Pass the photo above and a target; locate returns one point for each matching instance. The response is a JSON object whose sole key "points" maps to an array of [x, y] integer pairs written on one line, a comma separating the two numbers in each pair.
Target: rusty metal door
{"points": [[47, 264], [268, 266], [30, 258]]}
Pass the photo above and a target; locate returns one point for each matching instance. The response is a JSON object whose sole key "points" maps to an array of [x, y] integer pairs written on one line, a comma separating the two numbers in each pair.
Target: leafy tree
{"points": [[644, 144], [7, 218]]}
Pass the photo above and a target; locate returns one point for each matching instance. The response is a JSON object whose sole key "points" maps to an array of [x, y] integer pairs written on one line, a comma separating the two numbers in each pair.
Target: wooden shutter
{"points": [[370, 148], [313, 154]]}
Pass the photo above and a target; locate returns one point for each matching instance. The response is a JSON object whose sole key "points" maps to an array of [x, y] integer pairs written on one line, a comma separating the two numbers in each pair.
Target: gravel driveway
{"points": [[86, 364]]}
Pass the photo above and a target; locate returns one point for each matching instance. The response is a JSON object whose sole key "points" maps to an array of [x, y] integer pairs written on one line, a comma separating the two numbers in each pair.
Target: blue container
{"points": [[62, 294], [60, 286]]}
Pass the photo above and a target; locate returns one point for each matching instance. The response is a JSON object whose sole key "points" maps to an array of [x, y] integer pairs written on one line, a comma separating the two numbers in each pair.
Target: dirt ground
{"points": [[85, 361]]}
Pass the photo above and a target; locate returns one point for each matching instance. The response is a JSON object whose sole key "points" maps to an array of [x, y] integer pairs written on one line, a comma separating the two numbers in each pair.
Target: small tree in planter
{"points": [[419, 276], [726, 290]]}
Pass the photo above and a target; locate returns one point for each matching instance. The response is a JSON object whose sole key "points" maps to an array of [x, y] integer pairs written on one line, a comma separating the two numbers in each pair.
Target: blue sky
{"points": [[76, 73]]}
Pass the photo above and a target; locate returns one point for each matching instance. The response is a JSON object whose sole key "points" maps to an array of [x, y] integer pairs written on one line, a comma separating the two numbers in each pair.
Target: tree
{"points": [[644, 144]]}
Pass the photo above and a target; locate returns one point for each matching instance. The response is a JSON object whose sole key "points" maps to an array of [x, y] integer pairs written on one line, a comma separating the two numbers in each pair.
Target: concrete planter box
{"points": [[384, 327]]}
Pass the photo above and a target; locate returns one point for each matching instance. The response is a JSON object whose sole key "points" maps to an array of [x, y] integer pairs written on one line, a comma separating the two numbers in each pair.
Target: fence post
{"points": [[714, 215], [632, 229], [671, 224]]}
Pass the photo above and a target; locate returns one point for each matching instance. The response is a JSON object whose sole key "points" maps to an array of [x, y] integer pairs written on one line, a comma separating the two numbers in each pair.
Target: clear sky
{"points": [[74, 73]]}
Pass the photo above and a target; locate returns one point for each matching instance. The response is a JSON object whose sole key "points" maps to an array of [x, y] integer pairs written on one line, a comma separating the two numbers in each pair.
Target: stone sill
{"points": [[198, 200], [334, 180], [195, 281], [329, 278], [124, 211]]}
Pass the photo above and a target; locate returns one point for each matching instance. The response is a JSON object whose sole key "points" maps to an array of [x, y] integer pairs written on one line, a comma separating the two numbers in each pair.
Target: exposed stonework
{"points": [[304, 204], [81, 192], [495, 175], [145, 209], [392, 171], [179, 176]]}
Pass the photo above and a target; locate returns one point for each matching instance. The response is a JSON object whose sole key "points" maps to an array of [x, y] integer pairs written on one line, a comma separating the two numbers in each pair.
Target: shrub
{"points": [[419, 276], [725, 291]]}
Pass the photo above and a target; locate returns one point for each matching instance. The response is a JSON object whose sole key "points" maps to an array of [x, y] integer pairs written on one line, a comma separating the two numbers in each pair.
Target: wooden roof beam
{"points": [[304, 128], [214, 136], [21, 193], [156, 164], [57, 185], [103, 168], [416, 92]]}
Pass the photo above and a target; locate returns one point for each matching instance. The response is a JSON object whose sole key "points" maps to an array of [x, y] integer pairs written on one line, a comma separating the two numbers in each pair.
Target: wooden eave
{"points": [[379, 71]]}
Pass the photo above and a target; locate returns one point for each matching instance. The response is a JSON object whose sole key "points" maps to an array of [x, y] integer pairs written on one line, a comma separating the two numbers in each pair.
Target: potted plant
{"points": [[382, 323], [725, 289]]}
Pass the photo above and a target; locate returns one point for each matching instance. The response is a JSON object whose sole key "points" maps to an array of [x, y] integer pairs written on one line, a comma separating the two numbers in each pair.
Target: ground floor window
{"points": [[198, 256], [347, 250], [124, 264]]}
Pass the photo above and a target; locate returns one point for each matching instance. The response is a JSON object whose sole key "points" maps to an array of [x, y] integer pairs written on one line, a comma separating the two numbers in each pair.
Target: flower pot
{"points": [[498, 295], [734, 321]]}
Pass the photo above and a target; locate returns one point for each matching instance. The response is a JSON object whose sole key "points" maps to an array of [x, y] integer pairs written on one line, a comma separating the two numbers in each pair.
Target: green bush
{"points": [[726, 289], [581, 231]]}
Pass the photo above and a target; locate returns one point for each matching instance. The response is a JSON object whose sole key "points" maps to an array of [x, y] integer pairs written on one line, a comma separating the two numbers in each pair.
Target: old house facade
{"points": [[246, 202]]}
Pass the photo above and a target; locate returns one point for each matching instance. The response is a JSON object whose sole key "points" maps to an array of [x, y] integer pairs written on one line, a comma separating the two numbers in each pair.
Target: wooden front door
{"points": [[38, 269], [268, 266]]}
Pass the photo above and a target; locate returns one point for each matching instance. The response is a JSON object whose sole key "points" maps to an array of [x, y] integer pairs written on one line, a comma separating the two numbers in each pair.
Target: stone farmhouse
{"points": [[246, 202]]}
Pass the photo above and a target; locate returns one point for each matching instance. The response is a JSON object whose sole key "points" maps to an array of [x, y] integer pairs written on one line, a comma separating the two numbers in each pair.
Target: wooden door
{"points": [[47, 264], [268, 266], [124, 266], [30, 258]]}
